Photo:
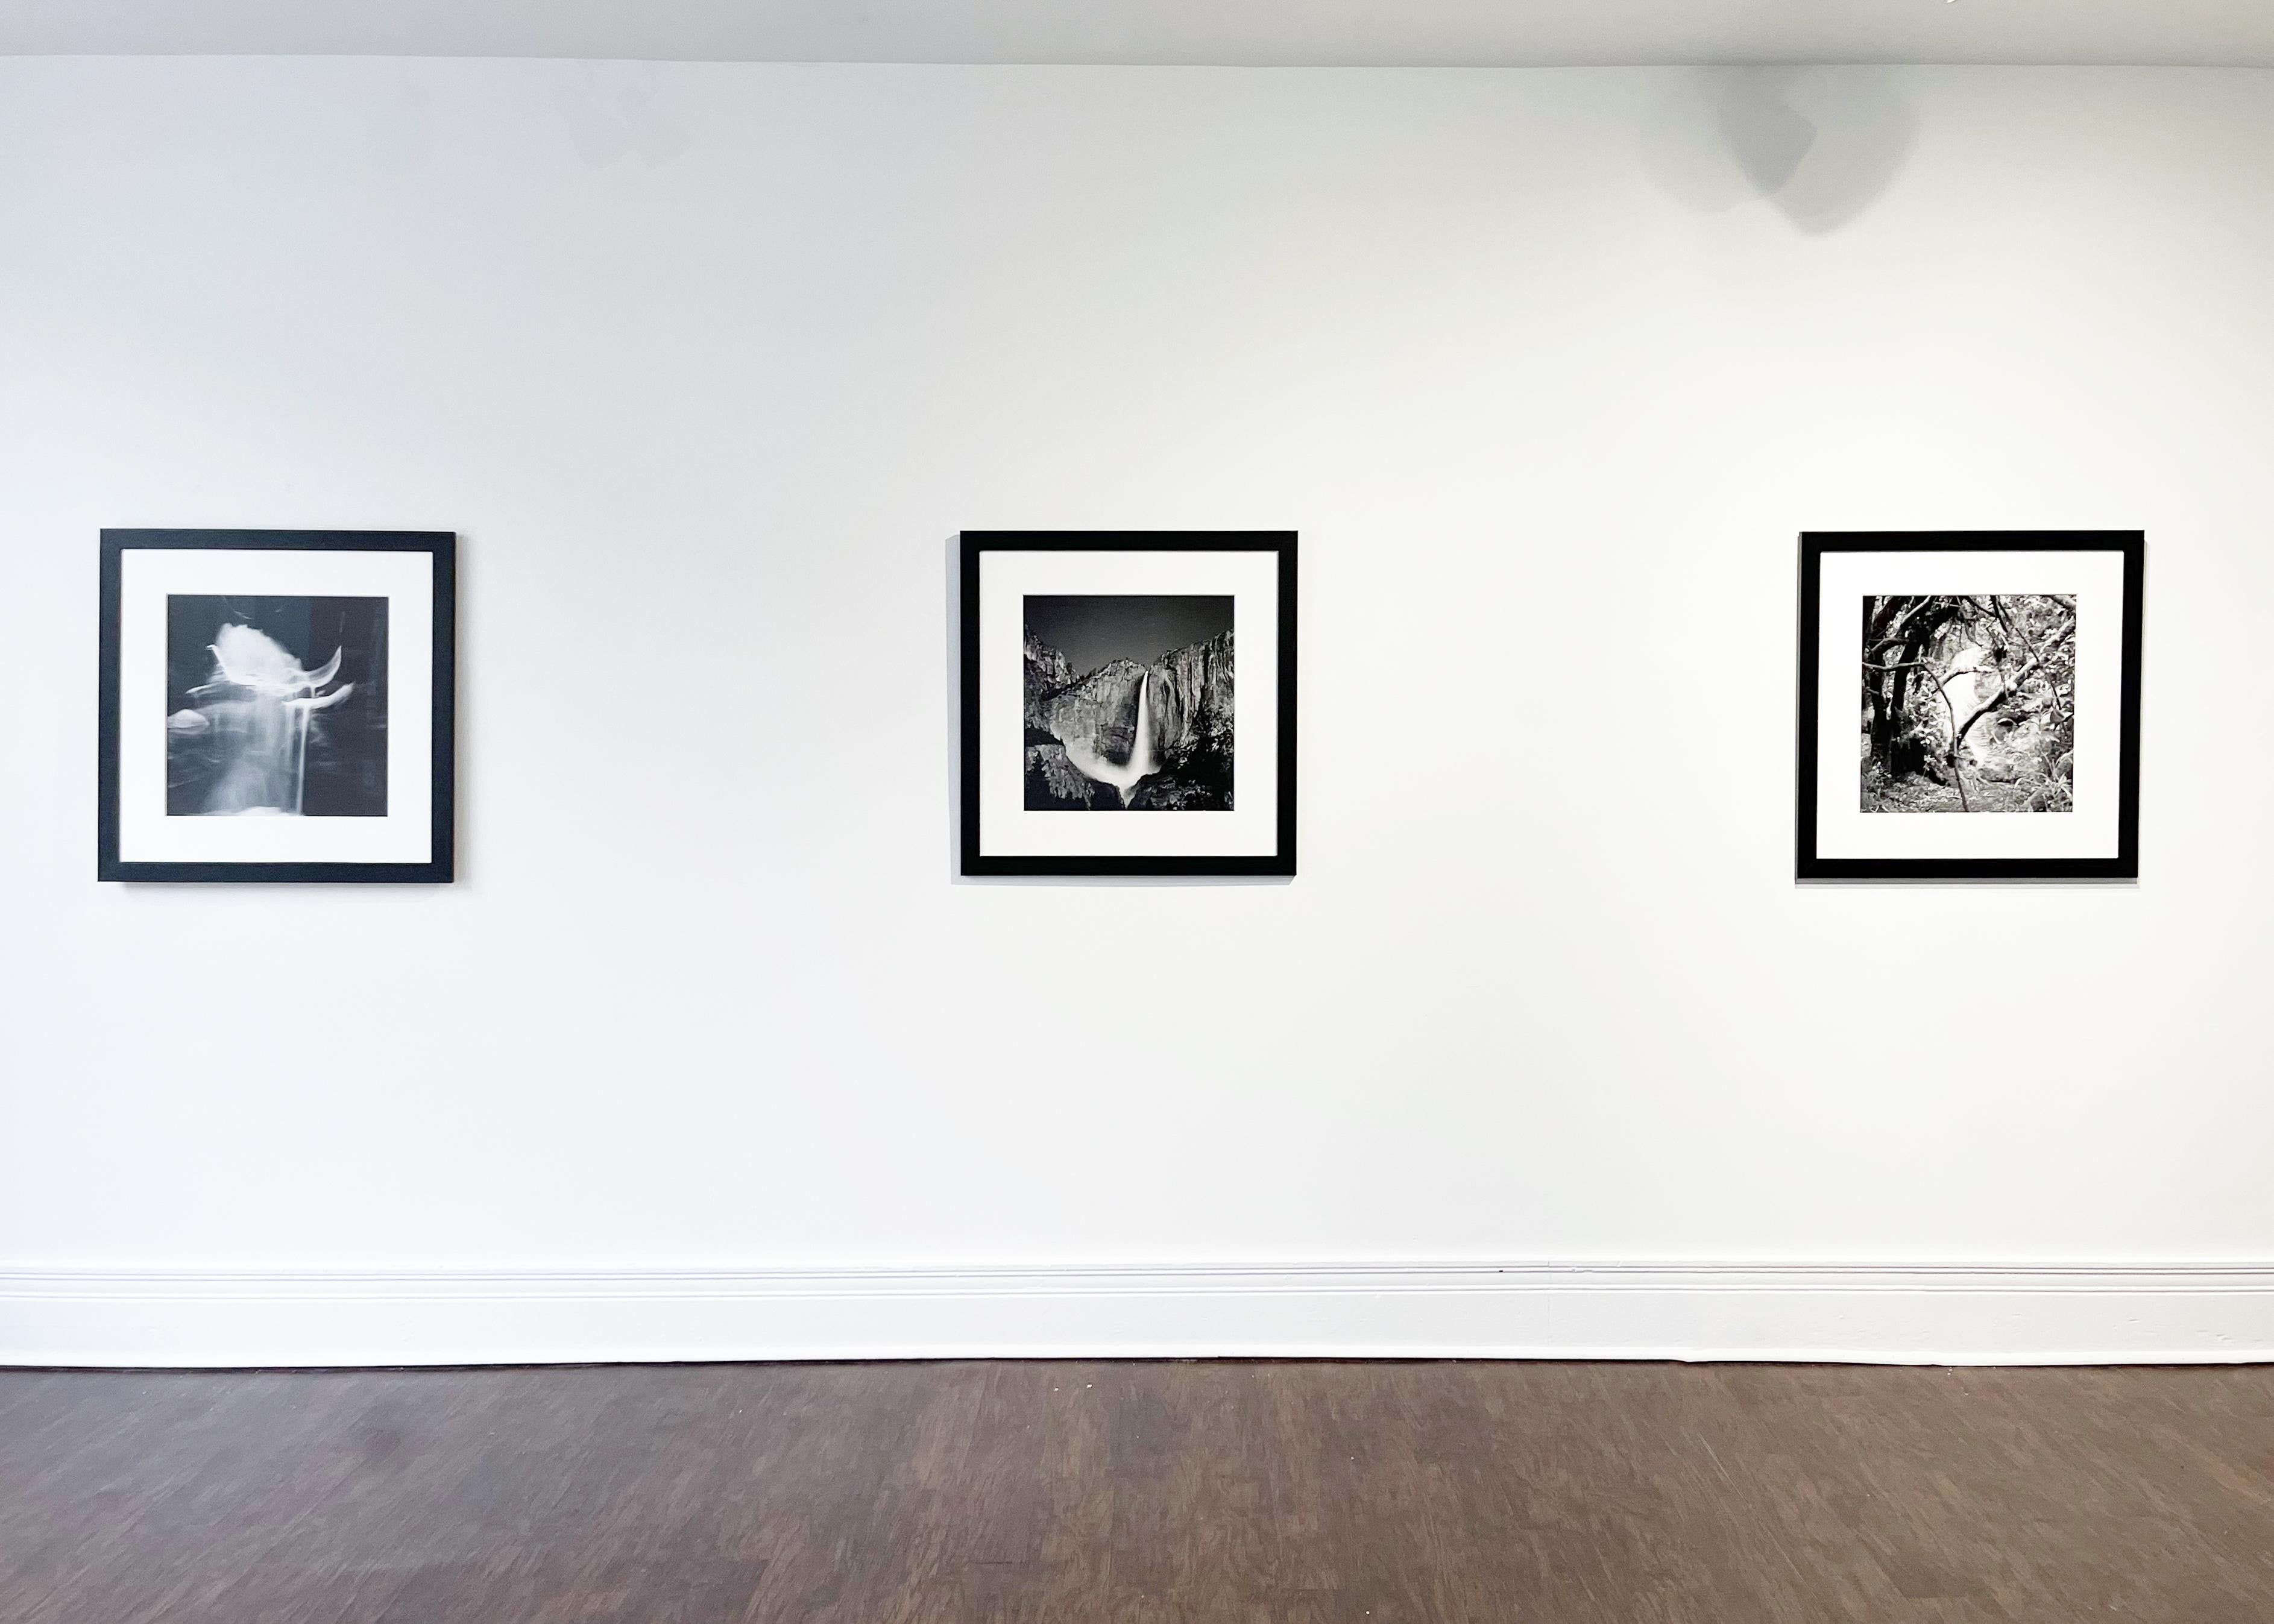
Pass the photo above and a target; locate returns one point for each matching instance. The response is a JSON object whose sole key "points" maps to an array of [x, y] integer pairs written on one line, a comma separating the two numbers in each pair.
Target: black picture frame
{"points": [[975, 544], [440, 866], [2124, 864]]}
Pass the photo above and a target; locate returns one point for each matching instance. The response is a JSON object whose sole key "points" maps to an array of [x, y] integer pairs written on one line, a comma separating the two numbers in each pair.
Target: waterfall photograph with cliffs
{"points": [[1128, 702]]}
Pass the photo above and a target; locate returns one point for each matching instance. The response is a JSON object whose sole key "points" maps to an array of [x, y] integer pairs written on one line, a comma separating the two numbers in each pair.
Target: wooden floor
{"points": [[1172, 1493]]}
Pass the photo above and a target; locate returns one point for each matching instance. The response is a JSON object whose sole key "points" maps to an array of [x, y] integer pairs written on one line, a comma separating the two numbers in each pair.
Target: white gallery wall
{"points": [[709, 1053]]}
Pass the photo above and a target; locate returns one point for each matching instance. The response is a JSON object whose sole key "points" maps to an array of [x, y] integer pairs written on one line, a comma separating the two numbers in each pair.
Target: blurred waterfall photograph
{"points": [[1128, 702], [1968, 704], [275, 707]]}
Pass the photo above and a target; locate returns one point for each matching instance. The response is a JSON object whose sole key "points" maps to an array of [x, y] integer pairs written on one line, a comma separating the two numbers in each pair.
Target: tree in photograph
{"points": [[1959, 683]]}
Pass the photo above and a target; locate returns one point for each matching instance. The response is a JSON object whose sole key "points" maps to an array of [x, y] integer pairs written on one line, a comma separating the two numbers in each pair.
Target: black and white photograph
{"points": [[1969, 704], [277, 706], [1128, 702], [1148, 674]]}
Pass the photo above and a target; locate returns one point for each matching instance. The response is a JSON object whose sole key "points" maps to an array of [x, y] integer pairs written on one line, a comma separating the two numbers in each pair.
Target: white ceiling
{"points": [[1233, 32]]}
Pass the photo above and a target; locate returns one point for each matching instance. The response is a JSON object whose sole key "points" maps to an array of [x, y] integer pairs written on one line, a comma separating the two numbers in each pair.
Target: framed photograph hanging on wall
{"points": [[1969, 705], [1100, 731], [277, 705]]}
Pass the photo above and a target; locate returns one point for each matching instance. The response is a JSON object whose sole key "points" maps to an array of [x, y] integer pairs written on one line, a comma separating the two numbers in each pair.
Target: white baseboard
{"points": [[1877, 1312]]}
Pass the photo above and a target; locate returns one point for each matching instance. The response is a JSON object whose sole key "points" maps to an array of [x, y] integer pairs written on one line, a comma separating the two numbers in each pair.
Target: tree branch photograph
{"points": [[1969, 704]]}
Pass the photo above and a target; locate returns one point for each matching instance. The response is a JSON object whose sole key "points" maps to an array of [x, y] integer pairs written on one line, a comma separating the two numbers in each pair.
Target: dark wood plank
{"points": [[1138, 1493]]}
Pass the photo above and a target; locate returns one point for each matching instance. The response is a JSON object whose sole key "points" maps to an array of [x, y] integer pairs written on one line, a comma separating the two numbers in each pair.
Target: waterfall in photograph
{"points": [[1142, 763], [276, 706]]}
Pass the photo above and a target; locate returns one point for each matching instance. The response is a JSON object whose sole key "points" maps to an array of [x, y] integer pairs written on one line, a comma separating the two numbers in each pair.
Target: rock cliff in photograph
{"points": [[1153, 737]]}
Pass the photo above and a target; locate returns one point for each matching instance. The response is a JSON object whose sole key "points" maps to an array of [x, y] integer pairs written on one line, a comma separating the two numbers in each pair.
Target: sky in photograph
{"points": [[1097, 628]]}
